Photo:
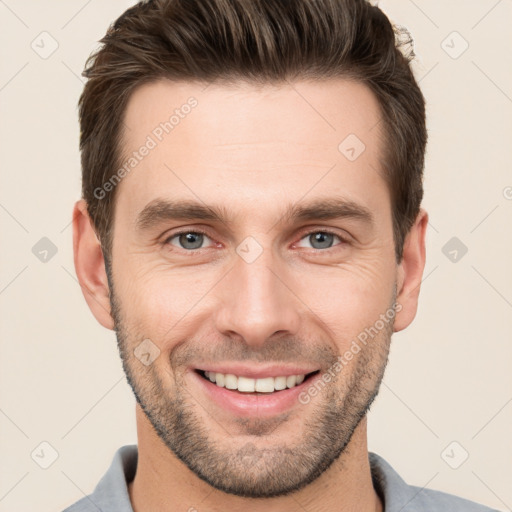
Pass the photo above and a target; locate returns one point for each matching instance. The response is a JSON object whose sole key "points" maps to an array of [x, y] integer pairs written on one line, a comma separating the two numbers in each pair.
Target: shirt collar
{"points": [[111, 493]]}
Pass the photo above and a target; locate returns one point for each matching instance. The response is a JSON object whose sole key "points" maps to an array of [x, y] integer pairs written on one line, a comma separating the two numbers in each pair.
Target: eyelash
{"points": [[343, 241]]}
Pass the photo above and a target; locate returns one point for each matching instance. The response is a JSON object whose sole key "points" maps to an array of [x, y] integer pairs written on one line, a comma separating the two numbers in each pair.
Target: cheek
{"points": [[350, 298], [160, 302]]}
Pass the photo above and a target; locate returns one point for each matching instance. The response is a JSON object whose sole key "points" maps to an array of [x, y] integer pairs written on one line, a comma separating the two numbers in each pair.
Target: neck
{"points": [[164, 484]]}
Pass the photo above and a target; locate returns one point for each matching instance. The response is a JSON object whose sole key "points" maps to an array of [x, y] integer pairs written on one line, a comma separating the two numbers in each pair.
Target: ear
{"points": [[90, 265], [410, 272]]}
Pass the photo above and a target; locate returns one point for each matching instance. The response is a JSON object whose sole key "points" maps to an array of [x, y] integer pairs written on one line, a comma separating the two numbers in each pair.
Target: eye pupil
{"points": [[196, 239], [325, 239]]}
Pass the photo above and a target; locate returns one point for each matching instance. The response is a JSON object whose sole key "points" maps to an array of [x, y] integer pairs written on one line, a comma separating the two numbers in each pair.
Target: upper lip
{"points": [[257, 372]]}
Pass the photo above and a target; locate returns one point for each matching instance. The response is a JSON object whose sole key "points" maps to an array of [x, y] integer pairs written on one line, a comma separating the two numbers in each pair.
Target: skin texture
{"points": [[253, 151]]}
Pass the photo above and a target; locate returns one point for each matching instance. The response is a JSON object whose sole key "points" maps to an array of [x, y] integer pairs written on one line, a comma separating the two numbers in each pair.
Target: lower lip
{"points": [[253, 404]]}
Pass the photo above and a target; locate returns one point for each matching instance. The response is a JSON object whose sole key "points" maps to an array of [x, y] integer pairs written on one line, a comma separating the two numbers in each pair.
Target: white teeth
{"points": [[230, 381], [279, 383], [220, 379], [265, 385], [248, 385], [290, 381], [245, 384]]}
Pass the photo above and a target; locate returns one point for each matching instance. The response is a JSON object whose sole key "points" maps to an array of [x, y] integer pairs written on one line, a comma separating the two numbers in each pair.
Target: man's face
{"points": [[262, 287]]}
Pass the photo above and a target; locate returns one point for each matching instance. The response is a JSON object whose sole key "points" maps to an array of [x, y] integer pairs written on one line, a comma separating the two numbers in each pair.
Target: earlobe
{"points": [[90, 265], [410, 272]]}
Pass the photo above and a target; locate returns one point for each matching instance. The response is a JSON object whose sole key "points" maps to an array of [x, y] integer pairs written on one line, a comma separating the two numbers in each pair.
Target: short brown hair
{"points": [[260, 41]]}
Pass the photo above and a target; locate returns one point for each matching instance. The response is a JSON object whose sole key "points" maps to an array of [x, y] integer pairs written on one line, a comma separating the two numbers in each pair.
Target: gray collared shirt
{"points": [[111, 493]]}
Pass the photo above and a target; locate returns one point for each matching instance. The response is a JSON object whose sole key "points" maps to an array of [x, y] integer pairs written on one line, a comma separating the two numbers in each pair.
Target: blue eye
{"points": [[321, 239], [193, 240], [189, 240]]}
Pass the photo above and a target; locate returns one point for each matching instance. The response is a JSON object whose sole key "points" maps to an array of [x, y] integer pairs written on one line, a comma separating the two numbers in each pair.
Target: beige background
{"points": [[449, 378]]}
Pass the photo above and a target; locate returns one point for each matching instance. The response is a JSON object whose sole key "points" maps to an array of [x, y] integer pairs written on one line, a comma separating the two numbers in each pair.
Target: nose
{"points": [[256, 302]]}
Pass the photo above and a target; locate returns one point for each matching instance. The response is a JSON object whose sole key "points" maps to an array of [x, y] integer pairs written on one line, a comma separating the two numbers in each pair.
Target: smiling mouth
{"points": [[262, 386]]}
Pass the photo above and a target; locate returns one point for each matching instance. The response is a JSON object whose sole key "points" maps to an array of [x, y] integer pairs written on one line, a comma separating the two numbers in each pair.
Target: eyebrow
{"points": [[161, 210]]}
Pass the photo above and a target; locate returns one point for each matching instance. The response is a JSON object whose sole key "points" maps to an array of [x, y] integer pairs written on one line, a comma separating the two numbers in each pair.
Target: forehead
{"points": [[250, 145]]}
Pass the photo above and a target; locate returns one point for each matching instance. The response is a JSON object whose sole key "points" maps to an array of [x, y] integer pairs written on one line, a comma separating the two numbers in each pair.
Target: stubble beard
{"points": [[250, 468]]}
